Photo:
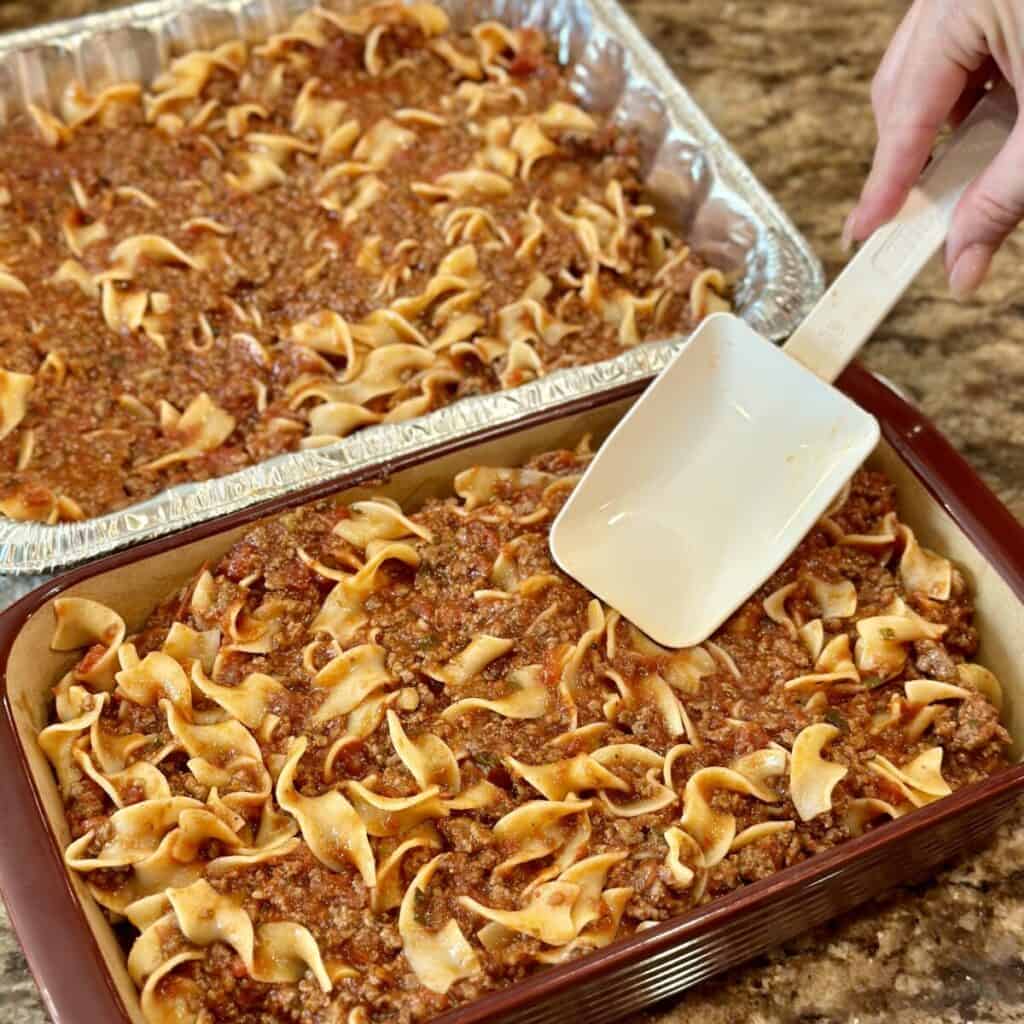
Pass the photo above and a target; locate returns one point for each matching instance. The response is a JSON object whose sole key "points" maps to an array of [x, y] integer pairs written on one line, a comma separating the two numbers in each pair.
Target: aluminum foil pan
{"points": [[695, 179]]}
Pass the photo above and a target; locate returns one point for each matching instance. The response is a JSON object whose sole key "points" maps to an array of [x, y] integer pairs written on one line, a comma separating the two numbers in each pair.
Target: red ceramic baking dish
{"points": [[76, 959]]}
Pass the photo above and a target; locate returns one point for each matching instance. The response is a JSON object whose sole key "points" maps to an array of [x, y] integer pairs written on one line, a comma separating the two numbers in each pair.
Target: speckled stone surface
{"points": [[787, 82]]}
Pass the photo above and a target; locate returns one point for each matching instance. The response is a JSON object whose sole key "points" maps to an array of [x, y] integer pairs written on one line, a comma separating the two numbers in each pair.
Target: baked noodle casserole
{"points": [[376, 762], [354, 222]]}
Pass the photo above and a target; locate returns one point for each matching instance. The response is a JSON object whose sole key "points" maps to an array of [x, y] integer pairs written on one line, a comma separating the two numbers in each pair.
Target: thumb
{"points": [[987, 212]]}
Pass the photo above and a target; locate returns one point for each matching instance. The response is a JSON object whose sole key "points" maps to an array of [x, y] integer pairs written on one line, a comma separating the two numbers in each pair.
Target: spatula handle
{"points": [[872, 282]]}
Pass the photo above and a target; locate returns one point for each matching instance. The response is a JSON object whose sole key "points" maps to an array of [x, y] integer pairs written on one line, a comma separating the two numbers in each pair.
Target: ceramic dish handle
{"points": [[872, 282]]}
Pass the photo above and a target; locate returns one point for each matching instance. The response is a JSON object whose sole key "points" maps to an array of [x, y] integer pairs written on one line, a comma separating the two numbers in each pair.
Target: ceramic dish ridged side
{"points": [[83, 978], [698, 182]]}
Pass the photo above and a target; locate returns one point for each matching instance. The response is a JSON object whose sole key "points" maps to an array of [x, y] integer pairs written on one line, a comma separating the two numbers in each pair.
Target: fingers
{"points": [[936, 67], [912, 104], [888, 71], [988, 211]]}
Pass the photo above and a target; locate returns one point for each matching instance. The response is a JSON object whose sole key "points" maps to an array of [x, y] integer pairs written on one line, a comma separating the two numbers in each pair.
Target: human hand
{"points": [[937, 66]]}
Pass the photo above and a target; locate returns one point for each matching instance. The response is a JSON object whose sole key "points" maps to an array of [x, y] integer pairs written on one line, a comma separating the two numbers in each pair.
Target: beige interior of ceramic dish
{"points": [[134, 590]]}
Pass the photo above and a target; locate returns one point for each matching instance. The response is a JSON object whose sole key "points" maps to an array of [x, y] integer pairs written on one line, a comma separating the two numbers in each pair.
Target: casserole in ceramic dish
{"points": [[939, 498]]}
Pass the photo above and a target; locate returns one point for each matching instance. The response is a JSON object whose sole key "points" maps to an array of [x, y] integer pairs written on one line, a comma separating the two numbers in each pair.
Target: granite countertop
{"points": [[787, 82]]}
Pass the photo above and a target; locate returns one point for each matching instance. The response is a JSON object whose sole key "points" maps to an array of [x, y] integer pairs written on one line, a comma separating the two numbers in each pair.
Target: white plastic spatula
{"points": [[712, 479]]}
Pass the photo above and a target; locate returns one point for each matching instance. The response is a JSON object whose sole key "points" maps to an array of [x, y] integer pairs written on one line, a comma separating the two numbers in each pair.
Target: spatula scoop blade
{"points": [[709, 483]]}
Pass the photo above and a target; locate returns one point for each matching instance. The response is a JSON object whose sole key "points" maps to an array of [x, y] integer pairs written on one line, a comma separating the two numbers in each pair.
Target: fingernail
{"points": [[846, 239], [969, 271]]}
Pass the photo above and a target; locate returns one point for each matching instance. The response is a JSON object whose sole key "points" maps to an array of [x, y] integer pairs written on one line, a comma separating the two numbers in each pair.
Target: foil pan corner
{"points": [[693, 175]]}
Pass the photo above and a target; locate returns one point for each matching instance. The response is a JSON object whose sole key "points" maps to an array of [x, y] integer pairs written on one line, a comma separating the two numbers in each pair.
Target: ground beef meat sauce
{"points": [[528, 775], [359, 221]]}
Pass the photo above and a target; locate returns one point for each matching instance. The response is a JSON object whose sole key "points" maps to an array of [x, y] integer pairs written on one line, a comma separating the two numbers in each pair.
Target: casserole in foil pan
{"points": [[694, 179]]}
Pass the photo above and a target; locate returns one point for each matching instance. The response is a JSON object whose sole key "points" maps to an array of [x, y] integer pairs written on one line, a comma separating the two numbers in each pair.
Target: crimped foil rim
{"points": [[795, 279]]}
